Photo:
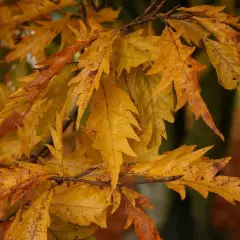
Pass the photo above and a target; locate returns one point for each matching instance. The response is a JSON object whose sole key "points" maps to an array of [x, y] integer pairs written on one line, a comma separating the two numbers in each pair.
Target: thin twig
{"points": [[148, 9], [60, 180], [147, 17], [158, 8], [162, 180], [170, 12]]}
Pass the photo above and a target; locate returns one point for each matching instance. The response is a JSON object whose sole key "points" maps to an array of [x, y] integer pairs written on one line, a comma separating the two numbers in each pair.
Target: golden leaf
{"points": [[208, 10], [76, 162], [33, 223], [198, 172], [134, 50], [152, 110], [83, 204], [112, 120], [95, 62], [42, 35], [175, 64], [71, 231], [226, 60], [23, 11], [189, 29], [104, 15], [224, 33]]}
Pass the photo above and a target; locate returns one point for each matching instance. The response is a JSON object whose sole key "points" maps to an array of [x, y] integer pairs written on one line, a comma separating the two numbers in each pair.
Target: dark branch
{"points": [[152, 15], [60, 180]]}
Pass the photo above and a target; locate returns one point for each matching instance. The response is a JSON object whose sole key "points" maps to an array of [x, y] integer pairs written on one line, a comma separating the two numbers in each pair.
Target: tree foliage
{"points": [[95, 111]]}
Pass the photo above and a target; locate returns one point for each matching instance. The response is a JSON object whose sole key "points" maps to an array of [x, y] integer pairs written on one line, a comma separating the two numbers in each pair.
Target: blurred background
{"points": [[194, 218]]}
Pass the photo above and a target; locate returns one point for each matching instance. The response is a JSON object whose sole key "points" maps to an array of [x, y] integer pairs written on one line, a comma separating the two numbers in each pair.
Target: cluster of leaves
{"points": [[116, 87]]}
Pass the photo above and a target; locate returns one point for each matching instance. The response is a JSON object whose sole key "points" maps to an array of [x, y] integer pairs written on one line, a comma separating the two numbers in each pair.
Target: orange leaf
{"points": [[19, 180], [54, 65]]}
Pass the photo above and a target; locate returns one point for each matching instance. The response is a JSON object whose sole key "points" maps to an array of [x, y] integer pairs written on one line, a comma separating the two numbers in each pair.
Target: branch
{"points": [[152, 15], [60, 180]]}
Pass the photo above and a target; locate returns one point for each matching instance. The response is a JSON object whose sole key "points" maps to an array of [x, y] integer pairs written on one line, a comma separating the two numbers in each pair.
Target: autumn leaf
{"points": [[54, 65], [189, 29], [104, 15], [42, 35], [133, 50], [18, 180], [71, 231], [225, 59], [206, 10], [153, 111], [175, 64], [197, 172], [23, 11], [33, 223], [83, 204], [112, 120], [76, 162], [144, 225], [95, 62]]}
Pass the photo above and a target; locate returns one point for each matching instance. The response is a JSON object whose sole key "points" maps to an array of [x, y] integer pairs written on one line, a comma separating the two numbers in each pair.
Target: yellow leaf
{"points": [[189, 29], [226, 60], [133, 50], [95, 62], [23, 11], [18, 180], [208, 10], [152, 110], [9, 150], [112, 120], [224, 33], [211, 12], [33, 223], [76, 162], [175, 64], [57, 150], [83, 204], [167, 164], [104, 15], [72, 231], [198, 172], [41, 36]]}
